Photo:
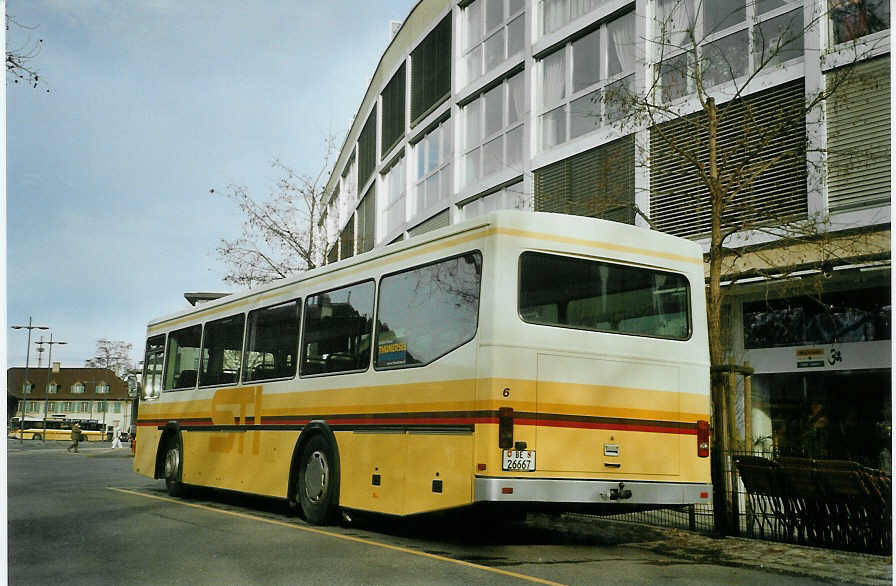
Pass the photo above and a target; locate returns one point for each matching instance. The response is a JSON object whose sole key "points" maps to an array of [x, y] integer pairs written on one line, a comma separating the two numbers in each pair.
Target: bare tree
{"points": [[283, 234], [20, 57], [114, 355]]}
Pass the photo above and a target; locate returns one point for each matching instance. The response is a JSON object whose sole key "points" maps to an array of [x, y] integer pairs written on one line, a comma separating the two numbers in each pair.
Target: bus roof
{"points": [[573, 229]]}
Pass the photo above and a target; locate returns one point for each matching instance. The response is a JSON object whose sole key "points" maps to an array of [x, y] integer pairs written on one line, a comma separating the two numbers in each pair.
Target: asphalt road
{"points": [[88, 519]]}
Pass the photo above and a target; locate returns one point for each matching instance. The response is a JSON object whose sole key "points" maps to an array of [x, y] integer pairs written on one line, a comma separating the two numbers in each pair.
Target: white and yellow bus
{"points": [[57, 428], [537, 359]]}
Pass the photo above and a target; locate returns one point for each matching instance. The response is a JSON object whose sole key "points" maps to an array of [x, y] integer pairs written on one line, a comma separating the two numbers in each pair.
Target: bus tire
{"points": [[173, 467], [317, 481], [36, 436]]}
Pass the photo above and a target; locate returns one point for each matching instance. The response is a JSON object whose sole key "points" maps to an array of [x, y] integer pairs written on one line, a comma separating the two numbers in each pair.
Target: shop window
{"points": [[580, 94], [852, 316], [494, 31], [494, 136], [222, 349], [426, 312], [337, 330], [272, 342], [182, 362], [431, 70], [854, 19]]}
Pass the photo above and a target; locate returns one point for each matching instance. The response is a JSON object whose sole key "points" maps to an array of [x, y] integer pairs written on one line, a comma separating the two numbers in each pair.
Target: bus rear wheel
{"points": [[316, 482], [173, 482], [36, 436]]}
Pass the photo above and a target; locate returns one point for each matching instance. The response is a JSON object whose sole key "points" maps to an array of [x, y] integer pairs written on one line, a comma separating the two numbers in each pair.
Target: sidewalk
{"points": [[795, 560]]}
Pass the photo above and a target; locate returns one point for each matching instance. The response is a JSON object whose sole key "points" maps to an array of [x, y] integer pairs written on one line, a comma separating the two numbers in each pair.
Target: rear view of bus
{"points": [[597, 375]]}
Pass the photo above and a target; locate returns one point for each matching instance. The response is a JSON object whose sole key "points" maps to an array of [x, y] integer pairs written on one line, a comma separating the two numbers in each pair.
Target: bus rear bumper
{"points": [[557, 490]]}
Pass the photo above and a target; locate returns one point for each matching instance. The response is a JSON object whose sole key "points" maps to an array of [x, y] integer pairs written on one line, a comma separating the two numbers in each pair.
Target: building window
{"points": [[395, 182], [494, 31], [337, 330], [84, 406], [102, 388], [512, 197], [439, 220], [100, 406], [67, 407], [52, 388], [27, 387], [680, 200], [599, 183], [494, 136], [393, 111], [434, 153], [585, 75], [51, 406], [367, 221], [347, 239], [349, 192], [367, 149], [853, 19], [733, 37], [116, 407], [77, 388], [431, 70], [557, 13]]}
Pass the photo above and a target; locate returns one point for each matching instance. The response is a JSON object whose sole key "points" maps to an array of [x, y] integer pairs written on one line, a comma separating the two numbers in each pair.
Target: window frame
{"points": [[468, 48], [750, 25], [570, 94], [414, 268], [446, 129], [304, 323], [506, 127], [299, 316], [690, 317]]}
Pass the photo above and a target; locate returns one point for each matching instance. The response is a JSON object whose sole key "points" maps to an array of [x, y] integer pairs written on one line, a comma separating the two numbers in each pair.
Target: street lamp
{"points": [[43, 437], [29, 327]]}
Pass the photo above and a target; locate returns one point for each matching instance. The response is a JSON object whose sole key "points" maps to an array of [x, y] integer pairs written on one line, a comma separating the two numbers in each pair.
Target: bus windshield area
{"points": [[584, 294]]}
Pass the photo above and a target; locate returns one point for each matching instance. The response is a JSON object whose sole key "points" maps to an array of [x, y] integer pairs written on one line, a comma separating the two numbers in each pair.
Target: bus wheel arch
{"points": [[170, 460], [314, 474]]}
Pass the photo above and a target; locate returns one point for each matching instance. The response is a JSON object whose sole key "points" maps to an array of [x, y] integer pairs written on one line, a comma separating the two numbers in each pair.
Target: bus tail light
{"points": [[505, 428], [703, 438]]}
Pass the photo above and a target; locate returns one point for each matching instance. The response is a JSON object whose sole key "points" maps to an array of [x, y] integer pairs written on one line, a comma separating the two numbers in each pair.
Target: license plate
{"points": [[520, 460]]}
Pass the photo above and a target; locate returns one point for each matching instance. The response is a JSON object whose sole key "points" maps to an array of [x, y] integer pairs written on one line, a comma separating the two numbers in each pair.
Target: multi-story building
{"points": [[72, 393], [489, 104]]}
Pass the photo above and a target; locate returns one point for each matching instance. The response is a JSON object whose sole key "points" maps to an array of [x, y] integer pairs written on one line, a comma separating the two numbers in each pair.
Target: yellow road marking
{"points": [[339, 536]]}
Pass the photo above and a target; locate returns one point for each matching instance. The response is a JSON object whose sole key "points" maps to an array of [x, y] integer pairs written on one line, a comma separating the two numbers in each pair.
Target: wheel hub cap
{"points": [[316, 477]]}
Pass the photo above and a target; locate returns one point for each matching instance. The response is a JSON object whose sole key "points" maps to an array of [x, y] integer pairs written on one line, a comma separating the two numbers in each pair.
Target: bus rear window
{"points": [[592, 295]]}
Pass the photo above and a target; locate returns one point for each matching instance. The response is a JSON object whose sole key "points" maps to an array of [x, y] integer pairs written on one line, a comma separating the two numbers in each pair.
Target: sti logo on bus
{"points": [[235, 406]]}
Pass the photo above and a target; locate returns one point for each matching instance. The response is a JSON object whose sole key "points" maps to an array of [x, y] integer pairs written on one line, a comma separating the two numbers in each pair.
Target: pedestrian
{"points": [[76, 437], [116, 438]]}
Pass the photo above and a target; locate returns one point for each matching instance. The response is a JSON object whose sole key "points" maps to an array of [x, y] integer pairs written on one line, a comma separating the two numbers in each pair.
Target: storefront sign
{"points": [[817, 357]]}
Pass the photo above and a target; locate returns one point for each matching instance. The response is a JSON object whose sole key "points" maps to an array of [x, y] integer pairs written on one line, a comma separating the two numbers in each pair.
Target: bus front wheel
{"points": [[316, 483], [36, 436], [173, 482]]}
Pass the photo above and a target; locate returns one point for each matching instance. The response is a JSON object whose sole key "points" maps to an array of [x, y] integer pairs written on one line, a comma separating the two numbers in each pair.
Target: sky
{"points": [[151, 104]]}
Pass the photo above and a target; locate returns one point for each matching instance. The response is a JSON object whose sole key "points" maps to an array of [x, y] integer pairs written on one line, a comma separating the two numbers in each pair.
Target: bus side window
{"points": [[152, 364], [272, 342], [337, 330], [182, 358], [222, 349]]}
